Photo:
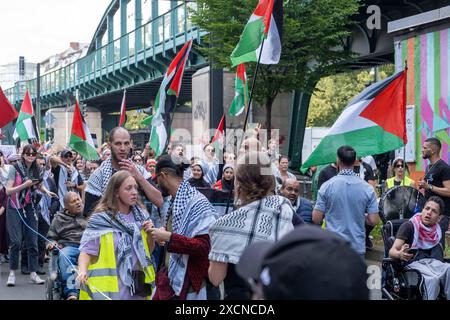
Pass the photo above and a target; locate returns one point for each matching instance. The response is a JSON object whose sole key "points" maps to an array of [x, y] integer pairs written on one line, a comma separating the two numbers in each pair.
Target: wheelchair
{"points": [[397, 206], [53, 284]]}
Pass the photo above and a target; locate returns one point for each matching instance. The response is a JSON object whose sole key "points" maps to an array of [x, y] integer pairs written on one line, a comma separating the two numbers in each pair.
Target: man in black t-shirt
{"points": [[436, 181], [420, 243], [326, 174]]}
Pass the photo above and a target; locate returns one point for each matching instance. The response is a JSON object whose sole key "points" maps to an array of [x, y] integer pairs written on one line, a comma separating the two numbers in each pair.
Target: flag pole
{"points": [[401, 216], [404, 147], [251, 94]]}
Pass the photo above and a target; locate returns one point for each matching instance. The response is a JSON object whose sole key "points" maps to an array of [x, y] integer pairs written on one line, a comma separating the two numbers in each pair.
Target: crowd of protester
{"points": [[152, 227]]}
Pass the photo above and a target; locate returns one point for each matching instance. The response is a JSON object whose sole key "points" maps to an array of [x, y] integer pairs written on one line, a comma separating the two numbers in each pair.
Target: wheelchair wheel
{"points": [[49, 289], [52, 292]]}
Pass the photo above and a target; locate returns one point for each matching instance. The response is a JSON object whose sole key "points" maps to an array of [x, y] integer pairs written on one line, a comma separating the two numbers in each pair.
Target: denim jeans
{"points": [[68, 276], [18, 231]]}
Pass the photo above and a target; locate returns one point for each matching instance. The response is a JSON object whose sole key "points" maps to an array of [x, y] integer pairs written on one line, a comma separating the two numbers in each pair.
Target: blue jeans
{"points": [[68, 276]]}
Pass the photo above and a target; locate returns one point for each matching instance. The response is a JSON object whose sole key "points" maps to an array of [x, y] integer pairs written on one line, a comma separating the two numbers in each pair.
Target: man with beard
{"points": [[436, 181], [290, 189], [184, 237], [120, 145]]}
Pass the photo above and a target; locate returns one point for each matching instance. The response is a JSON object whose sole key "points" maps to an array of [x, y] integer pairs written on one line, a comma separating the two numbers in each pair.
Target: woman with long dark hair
{"points": [[23, 185]]}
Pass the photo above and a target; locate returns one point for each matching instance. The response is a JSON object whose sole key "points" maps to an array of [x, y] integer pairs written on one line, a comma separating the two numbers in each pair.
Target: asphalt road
{"points": [[26, 291], [23, 289]]}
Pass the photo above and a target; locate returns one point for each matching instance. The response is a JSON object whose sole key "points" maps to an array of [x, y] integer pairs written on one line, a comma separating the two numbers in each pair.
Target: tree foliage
{"points": [[134, 119], [333, 93], [312, 41]]}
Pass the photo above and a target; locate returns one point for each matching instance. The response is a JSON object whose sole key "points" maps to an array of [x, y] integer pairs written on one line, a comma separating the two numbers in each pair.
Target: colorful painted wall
{"points": [[428, 86]]}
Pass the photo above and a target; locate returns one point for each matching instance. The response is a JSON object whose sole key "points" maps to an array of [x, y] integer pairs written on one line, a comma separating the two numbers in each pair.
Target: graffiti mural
{"points": [[428, 86]]}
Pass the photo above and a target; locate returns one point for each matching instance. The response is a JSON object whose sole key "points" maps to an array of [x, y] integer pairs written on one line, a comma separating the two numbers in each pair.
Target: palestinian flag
{"points": [[25, 124], [80, 138], [7, 111], [166, 99], [217, 140], [373, 123], [265, 24], [240, 100], [123, 111]]}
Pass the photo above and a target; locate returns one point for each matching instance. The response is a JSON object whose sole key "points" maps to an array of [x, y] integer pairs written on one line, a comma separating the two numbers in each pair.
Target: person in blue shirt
{"points": [[347, 202]]}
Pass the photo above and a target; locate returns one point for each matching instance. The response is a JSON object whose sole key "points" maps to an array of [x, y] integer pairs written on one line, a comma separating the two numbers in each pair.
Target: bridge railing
{"points": [[159, 33]]}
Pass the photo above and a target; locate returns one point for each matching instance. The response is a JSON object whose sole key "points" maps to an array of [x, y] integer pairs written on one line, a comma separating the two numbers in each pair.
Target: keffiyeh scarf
{"points": [[99, 179], [425, 237], [192, 216], [130, 239], [267, 219]]}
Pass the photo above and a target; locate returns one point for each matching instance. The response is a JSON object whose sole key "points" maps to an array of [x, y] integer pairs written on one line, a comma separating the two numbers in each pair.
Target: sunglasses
{"points": [[31, 154], [399, 166]]}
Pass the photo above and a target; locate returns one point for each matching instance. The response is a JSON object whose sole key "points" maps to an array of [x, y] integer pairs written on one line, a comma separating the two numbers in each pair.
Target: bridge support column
{"points": [[300, 107], [215, 96]]}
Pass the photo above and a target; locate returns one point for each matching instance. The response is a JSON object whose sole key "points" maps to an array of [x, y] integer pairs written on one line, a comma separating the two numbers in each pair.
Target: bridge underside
{"points": [[141, 95]]}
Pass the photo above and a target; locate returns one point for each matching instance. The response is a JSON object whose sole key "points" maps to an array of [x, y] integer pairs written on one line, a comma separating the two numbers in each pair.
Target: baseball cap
{"points": [[66, 152], [309, 263]]}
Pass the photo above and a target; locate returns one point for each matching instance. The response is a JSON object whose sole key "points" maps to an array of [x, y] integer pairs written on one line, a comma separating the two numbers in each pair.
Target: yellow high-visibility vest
{"points": [[102, 275], [406, 182]]}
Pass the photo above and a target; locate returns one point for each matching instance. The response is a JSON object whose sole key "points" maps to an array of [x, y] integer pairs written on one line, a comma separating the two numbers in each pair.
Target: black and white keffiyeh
{"points": [[192, 215], [267, 219], [131, 239], [99, 179]]}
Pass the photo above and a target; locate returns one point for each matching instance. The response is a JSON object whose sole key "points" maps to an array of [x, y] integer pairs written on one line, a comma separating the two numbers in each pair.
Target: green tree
{"points": [[134, 120], [312, 42], [333, 93]]}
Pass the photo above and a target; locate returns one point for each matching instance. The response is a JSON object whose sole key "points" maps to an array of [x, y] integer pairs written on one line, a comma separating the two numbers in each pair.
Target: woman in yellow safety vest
{"points": [[399, 178], [115, 250]]}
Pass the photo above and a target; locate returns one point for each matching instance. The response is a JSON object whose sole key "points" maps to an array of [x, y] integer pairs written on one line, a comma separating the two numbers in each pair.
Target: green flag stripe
{"points": [[82, 147], [25, 130], [250, 41]]}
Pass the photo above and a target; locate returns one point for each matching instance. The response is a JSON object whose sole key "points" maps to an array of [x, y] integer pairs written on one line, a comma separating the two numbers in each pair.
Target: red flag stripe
{"points": [[264, 9], [219, 131], [177, 66], [27, 105], [123, 110], [7, 111], [390, 101], [241, 73], [77, 124]]}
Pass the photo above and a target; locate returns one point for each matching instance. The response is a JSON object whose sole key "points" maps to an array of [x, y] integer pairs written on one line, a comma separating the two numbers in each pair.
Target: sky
{"points": [[38, 29]]}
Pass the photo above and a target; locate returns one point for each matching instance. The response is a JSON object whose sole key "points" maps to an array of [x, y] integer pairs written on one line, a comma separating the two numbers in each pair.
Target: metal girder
{"points": [[120, 75]]}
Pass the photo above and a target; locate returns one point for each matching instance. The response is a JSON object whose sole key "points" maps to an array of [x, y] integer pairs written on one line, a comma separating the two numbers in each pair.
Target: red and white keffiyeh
{"points": [[425, 237]]}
